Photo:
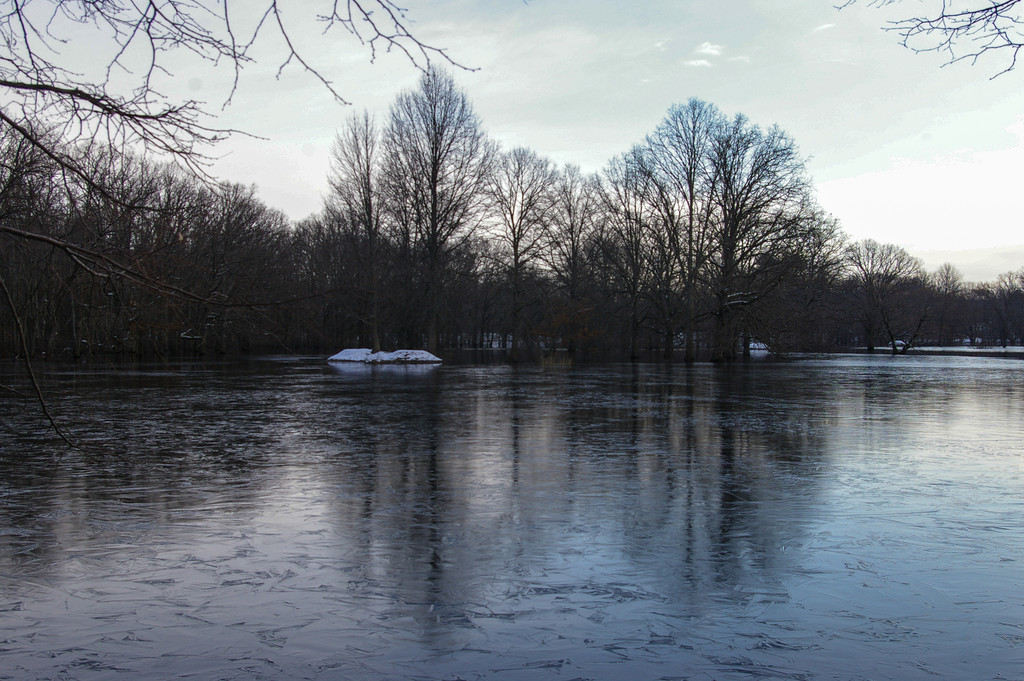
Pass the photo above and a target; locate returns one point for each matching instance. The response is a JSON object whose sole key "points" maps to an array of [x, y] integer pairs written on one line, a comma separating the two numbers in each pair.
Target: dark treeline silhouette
{"points": [[700, 242]]}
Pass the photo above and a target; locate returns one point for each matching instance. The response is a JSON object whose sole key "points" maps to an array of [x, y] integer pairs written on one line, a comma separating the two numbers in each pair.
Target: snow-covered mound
{"points": [[367, 356], [351, 355]]}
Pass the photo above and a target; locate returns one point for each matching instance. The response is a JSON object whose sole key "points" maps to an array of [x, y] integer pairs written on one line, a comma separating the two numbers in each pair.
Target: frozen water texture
{"points": [[838, 519], [368, 356]]}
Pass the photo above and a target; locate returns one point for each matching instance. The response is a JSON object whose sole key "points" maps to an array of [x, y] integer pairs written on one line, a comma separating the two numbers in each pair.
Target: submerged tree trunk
{"points": [[432, 344], [690, 354], [726, 337], [513, 356]]}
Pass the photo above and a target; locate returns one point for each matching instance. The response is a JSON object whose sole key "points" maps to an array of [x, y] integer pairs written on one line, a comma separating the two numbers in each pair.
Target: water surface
{"points": [[838, 518]]}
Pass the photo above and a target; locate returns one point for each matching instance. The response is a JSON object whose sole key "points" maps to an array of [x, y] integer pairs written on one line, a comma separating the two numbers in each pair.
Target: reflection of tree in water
{"points": [[701, 502], [764, 451], [467, 493], [494, 511], [495, 488], [398, 508], [161, 444]]}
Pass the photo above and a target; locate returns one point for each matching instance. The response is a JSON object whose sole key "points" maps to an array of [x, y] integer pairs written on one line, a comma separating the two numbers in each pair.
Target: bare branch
{"points": [[963, 33], [393, 32], [142, 38], [37, 390], [294, 54]]}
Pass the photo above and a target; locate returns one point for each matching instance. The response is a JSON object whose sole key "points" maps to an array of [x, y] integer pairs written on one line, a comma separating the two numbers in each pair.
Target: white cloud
{"points": [[706, 49], [709, 49], [824, 27]]}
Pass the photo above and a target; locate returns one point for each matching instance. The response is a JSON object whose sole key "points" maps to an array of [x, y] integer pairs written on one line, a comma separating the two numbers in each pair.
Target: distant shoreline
{"points": [[1011, 352]]}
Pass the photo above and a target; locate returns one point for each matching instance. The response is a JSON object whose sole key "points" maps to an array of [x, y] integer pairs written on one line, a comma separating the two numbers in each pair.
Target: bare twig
{"points": [[45, 90], [964, 34]]}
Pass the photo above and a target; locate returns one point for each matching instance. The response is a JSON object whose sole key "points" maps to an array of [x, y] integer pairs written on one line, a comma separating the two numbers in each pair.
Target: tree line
{"points": [[702, 241]]}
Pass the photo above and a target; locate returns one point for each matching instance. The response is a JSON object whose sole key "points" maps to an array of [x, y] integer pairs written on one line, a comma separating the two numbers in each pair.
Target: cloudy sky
{"points": [[901, 148]]}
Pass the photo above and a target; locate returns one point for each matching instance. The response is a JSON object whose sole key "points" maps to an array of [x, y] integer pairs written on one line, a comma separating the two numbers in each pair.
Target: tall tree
{"points": [[520, 191], [763, 208], [57, 104], [437, 161], [569, 251], [1005, 297], [799, 314], [625, 191], [885, 279], [947, 284], [681, 160], [664, 276], [355, 201]]}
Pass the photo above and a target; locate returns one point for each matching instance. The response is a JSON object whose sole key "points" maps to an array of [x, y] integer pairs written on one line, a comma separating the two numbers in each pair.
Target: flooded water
{"points": [[851, 518]]}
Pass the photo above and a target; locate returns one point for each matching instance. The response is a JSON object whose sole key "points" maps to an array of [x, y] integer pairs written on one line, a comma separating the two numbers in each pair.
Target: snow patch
{"points": [[367, 356], [351, 355]]}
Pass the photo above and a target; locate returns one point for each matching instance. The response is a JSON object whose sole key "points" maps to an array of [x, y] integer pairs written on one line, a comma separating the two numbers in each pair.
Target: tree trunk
{"points": [[725, 337]]}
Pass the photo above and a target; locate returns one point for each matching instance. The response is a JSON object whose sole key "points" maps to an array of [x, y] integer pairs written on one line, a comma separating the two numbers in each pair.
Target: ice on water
{"points": [[830, 520]]}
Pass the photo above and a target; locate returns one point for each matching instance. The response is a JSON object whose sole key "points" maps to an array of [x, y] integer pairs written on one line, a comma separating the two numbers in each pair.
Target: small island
{"points": [[368, 356]]}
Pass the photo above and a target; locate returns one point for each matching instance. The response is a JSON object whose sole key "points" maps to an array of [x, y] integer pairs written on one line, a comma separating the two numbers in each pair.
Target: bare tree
{"points": [[966, 30], [625, 189], [437, 161], [569, 251], [764, 212], [355, 198], [885, 279], [947, 284], [323, 264], [799, 313], [520, 191], [681, 152], [663, 229], [1005, 297]]}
